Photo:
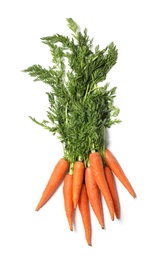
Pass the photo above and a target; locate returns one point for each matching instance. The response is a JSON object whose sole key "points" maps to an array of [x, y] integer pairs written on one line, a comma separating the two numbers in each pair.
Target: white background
{"points": [[29, 153]]}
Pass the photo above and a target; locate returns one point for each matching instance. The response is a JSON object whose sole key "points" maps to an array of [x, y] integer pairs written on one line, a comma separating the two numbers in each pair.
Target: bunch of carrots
{"points": [[80, 112], [84, 186]]}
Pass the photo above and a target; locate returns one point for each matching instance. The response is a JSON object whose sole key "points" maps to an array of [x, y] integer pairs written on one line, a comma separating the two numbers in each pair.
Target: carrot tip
{"points": [[117, 215], [37, 208], [71, 227], [39, 205], [134, 195], [102, 225], [75, 206], [112, 217]]}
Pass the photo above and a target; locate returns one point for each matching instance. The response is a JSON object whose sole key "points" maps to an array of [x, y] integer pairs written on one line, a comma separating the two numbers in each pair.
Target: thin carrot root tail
{"points": [[102, 225], [71, 225], [117, 210], [75, 204], [70, 222], [132, 192], [40, 204]]}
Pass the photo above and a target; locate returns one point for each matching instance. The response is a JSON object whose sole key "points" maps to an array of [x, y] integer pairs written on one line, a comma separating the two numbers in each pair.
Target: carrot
{"points": [[55, 179], [117, 170], [68, 198], [83, 204], [96, 165], [94, 195], [112, 186], [78, 174]]}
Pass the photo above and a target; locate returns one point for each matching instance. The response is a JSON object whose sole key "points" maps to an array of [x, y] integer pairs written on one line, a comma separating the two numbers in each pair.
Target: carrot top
{"points": [[79, 109]]}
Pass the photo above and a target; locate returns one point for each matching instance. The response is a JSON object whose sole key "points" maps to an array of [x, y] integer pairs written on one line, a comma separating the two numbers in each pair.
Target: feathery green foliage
{"points": [[79, 109]]}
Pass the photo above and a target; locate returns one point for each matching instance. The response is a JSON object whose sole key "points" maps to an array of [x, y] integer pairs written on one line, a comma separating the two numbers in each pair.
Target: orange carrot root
{"points": [[112, 186], [56, 178], [68, 199], [117, 170], [94, 195], [96, 165], [85, 213], [78, 175]]}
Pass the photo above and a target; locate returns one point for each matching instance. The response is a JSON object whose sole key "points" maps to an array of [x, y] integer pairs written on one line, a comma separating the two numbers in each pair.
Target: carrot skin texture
{"points": [[83, 205], [94, 195], [96, 165], [117, 170], [78, 174], [112, 186], [68, 199], [54, 181]]}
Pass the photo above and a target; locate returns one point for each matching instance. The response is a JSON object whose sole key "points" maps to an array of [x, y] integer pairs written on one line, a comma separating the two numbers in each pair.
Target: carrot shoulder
{"points": [[68, 198], [78, 174], [83, 204], [94, 195], [112, 186], [54, 181], [96, 165], [117, 170]]}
